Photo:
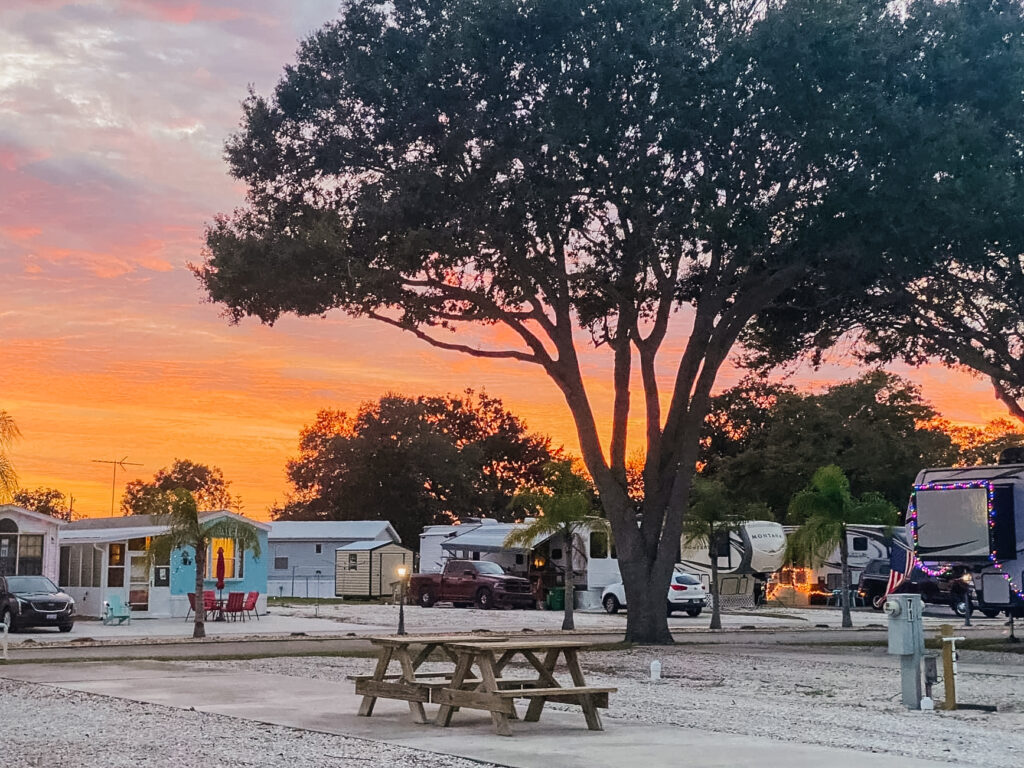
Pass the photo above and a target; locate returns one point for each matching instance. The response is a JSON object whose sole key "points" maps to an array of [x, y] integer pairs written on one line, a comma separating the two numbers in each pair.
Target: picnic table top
{"points": [[529, 644], [435, 639]]}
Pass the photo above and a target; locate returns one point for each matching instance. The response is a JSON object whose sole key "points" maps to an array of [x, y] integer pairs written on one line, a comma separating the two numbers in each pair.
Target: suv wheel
{"points": [[427, 598], [484, 599], [611, 604], [66, 627], [693, 611]]}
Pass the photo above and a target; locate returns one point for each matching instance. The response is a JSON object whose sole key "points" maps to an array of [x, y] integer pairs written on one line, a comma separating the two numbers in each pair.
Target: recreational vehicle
{"points": [[970, 521], [755, 550]]}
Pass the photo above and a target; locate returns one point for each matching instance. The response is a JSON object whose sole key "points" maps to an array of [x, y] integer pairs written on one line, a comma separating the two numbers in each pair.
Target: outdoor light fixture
{"points": [[403, 572]]}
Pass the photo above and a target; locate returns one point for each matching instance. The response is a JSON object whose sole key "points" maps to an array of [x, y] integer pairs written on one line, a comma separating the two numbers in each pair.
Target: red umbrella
{"points": [[220, 567]]}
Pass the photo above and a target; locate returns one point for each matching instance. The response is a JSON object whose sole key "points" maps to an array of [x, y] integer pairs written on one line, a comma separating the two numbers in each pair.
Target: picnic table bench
{"points": [[488, 690]]}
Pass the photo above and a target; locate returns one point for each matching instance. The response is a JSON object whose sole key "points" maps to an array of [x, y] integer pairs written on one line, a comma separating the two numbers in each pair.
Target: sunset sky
{"points": [[113, 116]]}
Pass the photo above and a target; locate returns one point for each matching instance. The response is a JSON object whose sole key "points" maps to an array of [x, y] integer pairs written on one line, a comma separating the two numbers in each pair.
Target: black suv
{"points": [[938, 590], [34, 601]]}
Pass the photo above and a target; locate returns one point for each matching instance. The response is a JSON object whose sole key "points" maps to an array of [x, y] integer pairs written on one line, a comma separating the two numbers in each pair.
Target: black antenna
{"points": [[123, 464]]}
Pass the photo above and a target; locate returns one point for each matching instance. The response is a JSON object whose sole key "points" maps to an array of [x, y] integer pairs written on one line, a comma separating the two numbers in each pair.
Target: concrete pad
{"points": [[560, 738]]}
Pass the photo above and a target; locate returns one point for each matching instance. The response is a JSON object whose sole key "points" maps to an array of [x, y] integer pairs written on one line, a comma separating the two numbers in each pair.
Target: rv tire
{"points": [[988, 613]]}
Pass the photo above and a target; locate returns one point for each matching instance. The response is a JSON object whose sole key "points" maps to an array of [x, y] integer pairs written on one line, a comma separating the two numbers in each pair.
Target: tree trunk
{"points": [[646, 594], [570, 586], [199, 628], [716, 603], [844, 552]]}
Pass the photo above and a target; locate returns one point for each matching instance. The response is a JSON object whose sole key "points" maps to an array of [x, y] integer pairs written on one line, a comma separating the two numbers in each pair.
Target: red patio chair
{"points": [[250, 604], [191, 605], [235, 606]]}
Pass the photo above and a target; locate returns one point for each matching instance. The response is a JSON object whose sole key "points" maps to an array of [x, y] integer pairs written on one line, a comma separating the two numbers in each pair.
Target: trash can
{"points": [[556, 599]]}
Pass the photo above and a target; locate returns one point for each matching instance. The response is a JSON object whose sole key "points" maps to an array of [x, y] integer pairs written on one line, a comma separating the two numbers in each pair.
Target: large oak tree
{"points": [[578, 172]]}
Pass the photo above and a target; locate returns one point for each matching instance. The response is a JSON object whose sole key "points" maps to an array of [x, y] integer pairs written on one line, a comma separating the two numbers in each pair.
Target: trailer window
{"points": [[598, 545], [860, 543]]}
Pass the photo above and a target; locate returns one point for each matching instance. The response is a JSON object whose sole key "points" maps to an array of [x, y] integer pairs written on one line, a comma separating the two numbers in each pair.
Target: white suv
{"points": [[685, 593]]}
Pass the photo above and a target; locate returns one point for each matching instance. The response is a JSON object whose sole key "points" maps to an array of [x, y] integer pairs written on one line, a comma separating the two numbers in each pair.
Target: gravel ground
{"points": [[834, 697], [44, 726]]}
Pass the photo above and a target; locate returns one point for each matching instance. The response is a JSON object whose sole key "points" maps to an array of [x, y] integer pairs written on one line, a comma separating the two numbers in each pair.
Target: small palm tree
{"points": [[826, 508], [711, 519], [8, 434], [185, 529], [565, 505]]}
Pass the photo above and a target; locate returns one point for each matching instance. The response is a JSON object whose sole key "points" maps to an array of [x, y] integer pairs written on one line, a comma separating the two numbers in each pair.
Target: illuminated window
{"points": [[234, 560]]}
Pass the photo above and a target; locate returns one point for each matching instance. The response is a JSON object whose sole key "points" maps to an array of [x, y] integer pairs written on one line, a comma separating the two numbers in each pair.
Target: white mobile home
{"points": [[28, 543], [302, 560]]}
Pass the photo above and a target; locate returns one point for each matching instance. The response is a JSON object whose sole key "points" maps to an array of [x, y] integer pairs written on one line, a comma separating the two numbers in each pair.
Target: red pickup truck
{"points": [[468, 582]]}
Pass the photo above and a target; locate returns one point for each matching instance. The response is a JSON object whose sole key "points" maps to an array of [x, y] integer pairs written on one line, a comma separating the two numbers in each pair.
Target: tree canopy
{"points": [[8, 434], [49, 501], [765, 441], [567, 170], [414, 462], [206, 483]]}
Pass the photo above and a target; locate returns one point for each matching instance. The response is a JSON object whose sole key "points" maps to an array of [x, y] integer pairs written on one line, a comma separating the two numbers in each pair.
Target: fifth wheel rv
{"points": [[755, 550], [971, 520]]}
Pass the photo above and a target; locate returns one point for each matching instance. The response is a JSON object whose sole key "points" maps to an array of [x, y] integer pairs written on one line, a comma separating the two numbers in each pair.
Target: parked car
{"points": [[469, 582], [34, 601], [685, 593], [949, 590]]}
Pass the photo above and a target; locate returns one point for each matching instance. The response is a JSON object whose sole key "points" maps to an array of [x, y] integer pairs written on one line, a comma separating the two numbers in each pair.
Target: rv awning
{"points": [[488, 538]]}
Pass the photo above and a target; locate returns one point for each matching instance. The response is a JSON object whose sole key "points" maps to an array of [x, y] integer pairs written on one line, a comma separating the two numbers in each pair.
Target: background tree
{"points": [[8, 477], [414, 462], [982, 445], [49, 501], [765, 441], [563, 506], [966, 307], [156, 497], [824, 510], [712, 518], [186, 529], [551, 168]]}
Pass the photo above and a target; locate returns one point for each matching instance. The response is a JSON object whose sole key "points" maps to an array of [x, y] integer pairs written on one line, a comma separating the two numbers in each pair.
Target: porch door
{"points": [[138, 583]]}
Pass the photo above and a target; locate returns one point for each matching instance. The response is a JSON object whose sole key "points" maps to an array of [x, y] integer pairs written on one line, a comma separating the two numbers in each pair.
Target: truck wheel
{"points": [[484, 599], [989, 614], [878, 602], [611, 604], [427, 598], [959, 606]]}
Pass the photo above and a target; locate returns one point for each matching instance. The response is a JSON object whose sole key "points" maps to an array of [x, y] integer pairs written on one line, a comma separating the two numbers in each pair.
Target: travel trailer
{"points": [[970, 520], [806, 584], [754, 551]]}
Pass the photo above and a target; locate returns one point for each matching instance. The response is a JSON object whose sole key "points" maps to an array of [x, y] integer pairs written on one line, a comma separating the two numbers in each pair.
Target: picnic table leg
{"points": [[572, 660], [537, 705], [366, 707], [419, 715], [490, 685], [462, 666]]}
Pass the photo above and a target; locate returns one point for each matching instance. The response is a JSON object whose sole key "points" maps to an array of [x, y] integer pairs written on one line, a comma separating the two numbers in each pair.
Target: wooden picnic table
{"points": [[408, 684], [495, 694]]}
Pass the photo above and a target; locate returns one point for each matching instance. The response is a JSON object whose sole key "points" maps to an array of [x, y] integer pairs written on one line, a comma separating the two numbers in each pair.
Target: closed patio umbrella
{"points": [[220, 571]]}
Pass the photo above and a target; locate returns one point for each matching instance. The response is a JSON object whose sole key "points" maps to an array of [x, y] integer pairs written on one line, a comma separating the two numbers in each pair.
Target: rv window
{"points": [[598, 545], [860, 543], [519, 560], [556, 554]]}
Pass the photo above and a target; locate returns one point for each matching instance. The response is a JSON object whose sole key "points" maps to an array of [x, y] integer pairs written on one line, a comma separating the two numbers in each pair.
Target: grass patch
{"points": [[313, 601]]}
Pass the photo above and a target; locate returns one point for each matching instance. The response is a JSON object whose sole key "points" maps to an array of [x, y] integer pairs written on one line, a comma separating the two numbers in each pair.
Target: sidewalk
{"points": [[559, 738]]}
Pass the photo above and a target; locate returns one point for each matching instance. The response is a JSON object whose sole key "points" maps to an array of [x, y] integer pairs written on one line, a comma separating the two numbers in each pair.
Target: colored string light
{"points": [[959, 486]]}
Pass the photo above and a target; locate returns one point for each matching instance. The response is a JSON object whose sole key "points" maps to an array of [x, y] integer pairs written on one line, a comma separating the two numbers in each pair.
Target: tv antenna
{"points": [[123, 464]]}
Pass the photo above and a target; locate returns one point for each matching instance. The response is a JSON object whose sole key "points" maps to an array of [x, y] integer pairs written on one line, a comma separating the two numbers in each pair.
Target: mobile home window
{"points": [[280, 563], [234, 564], [860, 543], [115, 564], [319, 549]]}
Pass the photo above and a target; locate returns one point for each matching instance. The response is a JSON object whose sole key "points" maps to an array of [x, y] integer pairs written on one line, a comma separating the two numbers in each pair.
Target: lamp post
{"points": [[316, 610], [402, 571]]}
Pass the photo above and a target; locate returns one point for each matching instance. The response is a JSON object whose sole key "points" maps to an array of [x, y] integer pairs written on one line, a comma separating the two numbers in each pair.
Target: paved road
{"points": [[558, 739]]}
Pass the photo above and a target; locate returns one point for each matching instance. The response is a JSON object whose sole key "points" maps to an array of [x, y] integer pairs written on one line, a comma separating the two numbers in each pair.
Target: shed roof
{"points": [[365, 546], [320, 530]]}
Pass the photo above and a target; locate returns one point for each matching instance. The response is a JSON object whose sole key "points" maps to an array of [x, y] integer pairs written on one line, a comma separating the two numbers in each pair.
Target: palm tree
{"points": [[711, 519], [826, 508], [565, 506], [186, 529], [8, 434]]}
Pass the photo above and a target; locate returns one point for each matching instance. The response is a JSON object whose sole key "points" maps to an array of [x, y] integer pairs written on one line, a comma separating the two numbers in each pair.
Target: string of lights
{"points": [[957, 486]]}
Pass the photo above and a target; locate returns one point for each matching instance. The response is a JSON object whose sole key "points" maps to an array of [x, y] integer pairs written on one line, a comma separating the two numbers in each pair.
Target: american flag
{"points": [[901, 565]]}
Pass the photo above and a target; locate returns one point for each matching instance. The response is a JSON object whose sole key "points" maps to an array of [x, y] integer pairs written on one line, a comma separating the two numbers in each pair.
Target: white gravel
{"points": [[833, 697], [44, 726]]}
